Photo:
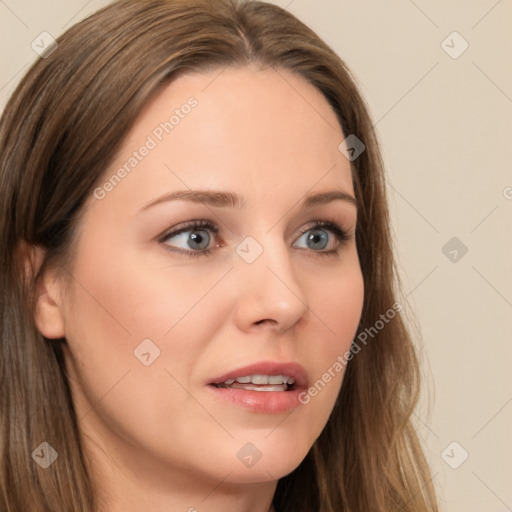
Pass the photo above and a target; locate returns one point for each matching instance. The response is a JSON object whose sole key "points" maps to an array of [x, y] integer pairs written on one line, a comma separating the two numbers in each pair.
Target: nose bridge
{"points": [[268, 288]]}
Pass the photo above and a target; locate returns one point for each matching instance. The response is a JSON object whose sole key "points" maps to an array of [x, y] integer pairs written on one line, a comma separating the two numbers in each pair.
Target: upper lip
{"points": [[294, 370]]}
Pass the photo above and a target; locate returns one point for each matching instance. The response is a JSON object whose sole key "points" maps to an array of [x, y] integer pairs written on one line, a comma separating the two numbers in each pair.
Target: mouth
{"points": [[259, 382], [266, 387]]}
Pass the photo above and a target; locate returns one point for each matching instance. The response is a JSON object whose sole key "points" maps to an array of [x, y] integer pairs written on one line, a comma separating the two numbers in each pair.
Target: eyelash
{"points": [[340, 234]]}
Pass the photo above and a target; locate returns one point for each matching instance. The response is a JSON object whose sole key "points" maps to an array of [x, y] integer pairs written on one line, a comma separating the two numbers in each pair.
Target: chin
{"points": [[264, 460], [261, 472]]}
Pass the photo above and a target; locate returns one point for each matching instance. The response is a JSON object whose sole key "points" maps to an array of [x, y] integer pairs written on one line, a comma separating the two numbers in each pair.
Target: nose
{"points": [[268, 294]]}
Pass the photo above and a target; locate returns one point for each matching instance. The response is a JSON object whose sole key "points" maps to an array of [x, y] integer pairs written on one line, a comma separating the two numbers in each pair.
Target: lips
{"points": [[265, 387]]}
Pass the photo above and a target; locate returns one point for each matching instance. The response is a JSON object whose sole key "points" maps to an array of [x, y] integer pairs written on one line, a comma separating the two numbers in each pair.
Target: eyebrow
{"points": [[231, 200]]}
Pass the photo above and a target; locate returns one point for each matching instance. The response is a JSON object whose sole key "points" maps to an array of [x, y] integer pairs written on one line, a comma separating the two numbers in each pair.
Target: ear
{"points": [[48, 314]]}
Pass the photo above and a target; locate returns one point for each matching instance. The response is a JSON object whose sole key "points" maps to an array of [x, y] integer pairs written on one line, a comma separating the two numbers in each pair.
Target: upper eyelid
{"points": [[206, 224], [197, 224]]}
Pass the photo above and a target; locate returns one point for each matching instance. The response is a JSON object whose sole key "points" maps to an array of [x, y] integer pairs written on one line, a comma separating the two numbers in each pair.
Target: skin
{"points": [[155, 436]]}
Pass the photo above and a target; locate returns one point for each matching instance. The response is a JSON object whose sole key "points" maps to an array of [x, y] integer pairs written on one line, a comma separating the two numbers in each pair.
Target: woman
{"points": [[199, 308]]}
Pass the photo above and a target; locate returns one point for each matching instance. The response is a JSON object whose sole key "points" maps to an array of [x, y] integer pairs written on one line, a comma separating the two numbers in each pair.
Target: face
{"points": [[214, 257]]}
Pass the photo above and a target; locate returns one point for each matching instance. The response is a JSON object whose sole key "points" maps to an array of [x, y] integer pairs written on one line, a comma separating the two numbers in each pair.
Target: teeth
{"points": [[262, 380], [255, 387]]}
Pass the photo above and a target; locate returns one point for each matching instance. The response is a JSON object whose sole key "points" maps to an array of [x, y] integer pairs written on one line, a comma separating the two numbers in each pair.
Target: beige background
{"points": [[446, 128]]}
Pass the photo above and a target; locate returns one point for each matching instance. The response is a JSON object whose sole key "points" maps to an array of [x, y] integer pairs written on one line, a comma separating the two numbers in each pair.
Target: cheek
{"points": [[337, 307], [336, 302], [121, 313], [137, 297], [341, 304], [123, 309]]}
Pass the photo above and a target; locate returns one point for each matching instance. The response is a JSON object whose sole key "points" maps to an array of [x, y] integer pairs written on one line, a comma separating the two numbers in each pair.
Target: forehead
{"points": [[254, 131]]}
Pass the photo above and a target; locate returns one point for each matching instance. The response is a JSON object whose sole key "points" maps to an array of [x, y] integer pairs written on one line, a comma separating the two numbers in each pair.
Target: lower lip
{"points": [[269, 402]]}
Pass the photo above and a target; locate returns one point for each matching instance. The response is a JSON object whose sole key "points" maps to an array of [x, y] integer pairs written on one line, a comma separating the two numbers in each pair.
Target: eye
{"points": [[322, 235], [193, 238]]}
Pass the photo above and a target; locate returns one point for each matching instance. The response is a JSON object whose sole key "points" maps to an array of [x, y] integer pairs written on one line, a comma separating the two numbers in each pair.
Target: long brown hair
{"points": [[58, 134]]}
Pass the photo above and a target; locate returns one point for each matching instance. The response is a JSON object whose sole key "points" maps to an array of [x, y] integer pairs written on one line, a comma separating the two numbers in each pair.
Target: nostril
{"points": [[265, 320]]}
